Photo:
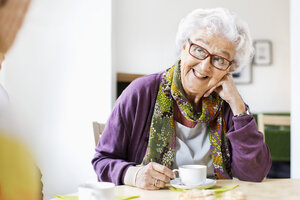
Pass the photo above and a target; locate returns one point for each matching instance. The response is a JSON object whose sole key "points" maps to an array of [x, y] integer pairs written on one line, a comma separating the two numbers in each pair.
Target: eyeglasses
{"points": [[201, 53]]}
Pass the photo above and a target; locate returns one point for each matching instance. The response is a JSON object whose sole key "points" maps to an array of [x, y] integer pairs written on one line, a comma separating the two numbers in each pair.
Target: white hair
{"points": [[218, 21]]}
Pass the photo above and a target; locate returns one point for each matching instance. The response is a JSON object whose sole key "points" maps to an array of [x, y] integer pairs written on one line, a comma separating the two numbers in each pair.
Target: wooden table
{"points": [[281, 189], [273, 189]]}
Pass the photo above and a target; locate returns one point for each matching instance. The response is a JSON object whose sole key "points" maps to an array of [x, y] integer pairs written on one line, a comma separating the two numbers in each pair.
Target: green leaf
{"points": [[76, 197], [177, 189], [225, 188], [204, 187], [66, 197], [216, 189], [126, 197]]}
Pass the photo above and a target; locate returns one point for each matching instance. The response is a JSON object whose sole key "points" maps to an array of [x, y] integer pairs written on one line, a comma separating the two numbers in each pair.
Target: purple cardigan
{"points": [[125, 138]]}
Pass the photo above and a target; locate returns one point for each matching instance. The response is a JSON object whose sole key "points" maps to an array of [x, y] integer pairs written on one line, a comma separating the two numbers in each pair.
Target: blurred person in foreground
{"points": [[191, 113], [20, 179]]}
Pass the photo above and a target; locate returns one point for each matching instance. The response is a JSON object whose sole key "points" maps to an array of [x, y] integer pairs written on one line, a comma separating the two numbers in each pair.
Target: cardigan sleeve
{"points": [[110, 161], [251, 159], [124, 140]]}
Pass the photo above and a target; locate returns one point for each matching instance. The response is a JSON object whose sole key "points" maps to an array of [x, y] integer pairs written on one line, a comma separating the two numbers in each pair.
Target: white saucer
{"points": [[178, 184]]}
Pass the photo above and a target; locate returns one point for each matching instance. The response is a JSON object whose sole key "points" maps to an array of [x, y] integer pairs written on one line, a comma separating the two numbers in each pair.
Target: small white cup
{"points": [[192, 174], [96, 191]]}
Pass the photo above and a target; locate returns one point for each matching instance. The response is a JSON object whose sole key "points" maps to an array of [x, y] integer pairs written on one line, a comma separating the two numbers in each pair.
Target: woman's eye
{"points": [[200, 50], [219, 60]]}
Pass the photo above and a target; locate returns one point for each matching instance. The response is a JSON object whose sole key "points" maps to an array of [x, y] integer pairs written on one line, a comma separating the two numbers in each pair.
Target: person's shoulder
{"points": [[10, 144], [18, 169]]}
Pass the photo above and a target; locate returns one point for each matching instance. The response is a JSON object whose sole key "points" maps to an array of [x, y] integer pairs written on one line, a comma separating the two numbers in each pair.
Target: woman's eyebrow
{"points": [[226, 53], [207, 43], [202, 41]]}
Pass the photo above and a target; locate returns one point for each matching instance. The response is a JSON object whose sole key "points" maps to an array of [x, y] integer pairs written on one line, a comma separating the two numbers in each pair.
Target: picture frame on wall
{"points": [[244, 76], [263, 52]]}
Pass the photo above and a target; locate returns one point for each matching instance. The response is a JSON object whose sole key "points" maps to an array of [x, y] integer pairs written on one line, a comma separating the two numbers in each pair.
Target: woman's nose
{"points": [[205, 66]]}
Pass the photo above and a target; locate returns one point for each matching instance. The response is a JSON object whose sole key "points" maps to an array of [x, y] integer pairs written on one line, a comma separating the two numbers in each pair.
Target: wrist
{"points": [[131, 175], [246, 112], [238, 106]]}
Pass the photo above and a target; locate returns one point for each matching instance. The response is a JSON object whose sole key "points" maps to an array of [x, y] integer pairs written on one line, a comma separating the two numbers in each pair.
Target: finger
{"points": [[228, 78], [152, 187], [218, 90], [229, 75], [160, 184], [148, 184], [209, 91], [159, 176], [212, 89], [153, 184], [162, 169]]}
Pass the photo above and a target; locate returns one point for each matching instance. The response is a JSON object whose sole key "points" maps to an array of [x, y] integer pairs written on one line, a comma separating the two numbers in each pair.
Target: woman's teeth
{"points": [[198, 75]]}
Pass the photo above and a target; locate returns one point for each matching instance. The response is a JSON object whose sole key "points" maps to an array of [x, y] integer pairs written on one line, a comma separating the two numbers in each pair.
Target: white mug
{"points": [[192, 174], [96, 191]]}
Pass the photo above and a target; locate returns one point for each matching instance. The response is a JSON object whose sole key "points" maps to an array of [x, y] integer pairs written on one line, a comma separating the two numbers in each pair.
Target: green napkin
{"points": [[216, 189], [199, 188], [76, 197], [177, 189], [66, 197], [225, 188], [126, 197]]}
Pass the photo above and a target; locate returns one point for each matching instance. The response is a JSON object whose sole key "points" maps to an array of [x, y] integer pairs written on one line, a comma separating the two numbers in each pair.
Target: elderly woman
{"points": [[192, 113]]}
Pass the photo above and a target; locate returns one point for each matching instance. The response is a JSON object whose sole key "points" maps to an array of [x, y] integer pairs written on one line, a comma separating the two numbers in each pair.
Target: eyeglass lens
{"points": [[201, 53]]}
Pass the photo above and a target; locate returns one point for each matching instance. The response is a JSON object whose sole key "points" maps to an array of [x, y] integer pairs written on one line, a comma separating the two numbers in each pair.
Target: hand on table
{"points": [[153, 176]]}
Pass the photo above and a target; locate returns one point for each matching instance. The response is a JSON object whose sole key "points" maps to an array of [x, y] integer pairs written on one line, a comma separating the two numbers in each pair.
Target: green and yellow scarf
{"points": [[162, 138]]}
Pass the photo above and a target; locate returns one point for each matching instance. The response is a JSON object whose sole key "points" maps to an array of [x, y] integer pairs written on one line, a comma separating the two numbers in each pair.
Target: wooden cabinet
{"points": [[124, 79]]}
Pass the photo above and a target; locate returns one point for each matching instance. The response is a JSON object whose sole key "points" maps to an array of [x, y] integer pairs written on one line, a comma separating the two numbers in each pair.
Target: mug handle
{"points": [[176, 172]]}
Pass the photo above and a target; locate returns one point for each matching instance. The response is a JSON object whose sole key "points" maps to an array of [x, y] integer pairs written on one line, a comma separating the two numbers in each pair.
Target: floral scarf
{"points": [[162, 138]]}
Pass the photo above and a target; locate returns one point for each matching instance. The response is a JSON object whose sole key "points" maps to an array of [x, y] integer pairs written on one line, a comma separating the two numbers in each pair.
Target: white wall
{"points": [[295, 82], [144, 34], [58, 75]]}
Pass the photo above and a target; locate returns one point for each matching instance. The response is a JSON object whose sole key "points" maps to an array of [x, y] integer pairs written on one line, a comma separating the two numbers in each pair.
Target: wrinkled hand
{"points": [[229, 93], [153, 176]]}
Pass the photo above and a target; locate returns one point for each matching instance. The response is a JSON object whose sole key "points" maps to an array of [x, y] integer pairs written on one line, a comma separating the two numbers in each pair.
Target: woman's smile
{"points": [[198, 75]]}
